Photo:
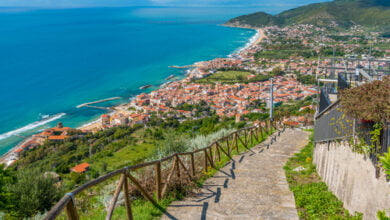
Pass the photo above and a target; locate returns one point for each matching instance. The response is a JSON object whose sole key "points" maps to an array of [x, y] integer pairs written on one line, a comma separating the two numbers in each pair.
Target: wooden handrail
{"points": [[210, 156]]}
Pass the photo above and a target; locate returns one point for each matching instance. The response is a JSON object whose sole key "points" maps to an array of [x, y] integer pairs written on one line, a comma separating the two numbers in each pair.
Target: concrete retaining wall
{"points": [[351, 178]]}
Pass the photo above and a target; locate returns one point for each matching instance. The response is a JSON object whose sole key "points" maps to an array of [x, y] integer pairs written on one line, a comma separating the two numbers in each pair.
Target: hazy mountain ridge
{"points": [[346, 13]]}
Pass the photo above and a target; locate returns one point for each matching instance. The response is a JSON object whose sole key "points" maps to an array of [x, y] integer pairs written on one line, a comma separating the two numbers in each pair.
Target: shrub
{"points": [[369, 101], [32, 193]]}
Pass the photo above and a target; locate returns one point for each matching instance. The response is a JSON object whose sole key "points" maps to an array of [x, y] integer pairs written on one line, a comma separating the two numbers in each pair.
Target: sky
{"points": [[169, 3]]}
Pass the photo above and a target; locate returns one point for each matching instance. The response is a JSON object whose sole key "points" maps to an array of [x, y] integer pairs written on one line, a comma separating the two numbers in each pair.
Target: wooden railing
{"points": [[174, 169]]}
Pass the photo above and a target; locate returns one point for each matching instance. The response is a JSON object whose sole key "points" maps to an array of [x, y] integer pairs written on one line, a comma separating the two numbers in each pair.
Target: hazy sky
{"points": [[205, 3]]}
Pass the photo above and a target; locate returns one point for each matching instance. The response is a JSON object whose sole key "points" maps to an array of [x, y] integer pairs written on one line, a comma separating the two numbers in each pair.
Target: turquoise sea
{"points": [[52, 60]]}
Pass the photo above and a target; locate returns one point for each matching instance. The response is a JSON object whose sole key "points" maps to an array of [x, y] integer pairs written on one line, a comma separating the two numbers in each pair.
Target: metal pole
{"points": [[369, 60], [271, 109], [333, 64], [318, 67]]}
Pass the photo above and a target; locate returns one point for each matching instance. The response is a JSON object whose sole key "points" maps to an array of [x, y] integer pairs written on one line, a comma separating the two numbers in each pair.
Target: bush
{"points": [[32, 193], [6, 177], [369, 101]]}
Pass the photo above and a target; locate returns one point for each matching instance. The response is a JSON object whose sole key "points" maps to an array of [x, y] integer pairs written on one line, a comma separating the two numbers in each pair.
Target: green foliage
{"points": [[312, 197], [284, 48], [376, 135], [143, 209], [370, 13], [232, 77], [105, 151], [32, 193], [172, 143], [77, 178], [6, 177], [256, 116], [385, 161], [307, 79], [277, 71], [381, 215], [201, 108], [255, 20], [292, 108], [328, 51], [369, 101]]}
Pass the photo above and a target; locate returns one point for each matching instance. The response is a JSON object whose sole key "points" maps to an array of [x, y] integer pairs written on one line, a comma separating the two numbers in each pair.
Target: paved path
{"points": [[253, 186]]}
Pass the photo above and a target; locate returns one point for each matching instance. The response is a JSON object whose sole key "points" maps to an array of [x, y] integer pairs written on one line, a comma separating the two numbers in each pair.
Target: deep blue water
{"points": [[52, 60]]}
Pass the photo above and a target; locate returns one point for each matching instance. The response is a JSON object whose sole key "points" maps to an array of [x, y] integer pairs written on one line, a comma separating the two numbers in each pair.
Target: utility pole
{"points": [[318, 67], [369, 60], [333, 64], [271, 100]]}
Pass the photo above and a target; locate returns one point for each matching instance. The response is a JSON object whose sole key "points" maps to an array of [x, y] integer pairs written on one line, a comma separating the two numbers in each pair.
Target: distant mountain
{"points": [[370, 13]]}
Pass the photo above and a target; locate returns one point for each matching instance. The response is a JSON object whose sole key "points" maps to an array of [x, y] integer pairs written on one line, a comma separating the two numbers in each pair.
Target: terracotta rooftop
{"points": [[81, 168]]}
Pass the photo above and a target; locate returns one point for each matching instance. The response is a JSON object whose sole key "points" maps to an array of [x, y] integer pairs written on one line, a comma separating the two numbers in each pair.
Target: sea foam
{"points": [[31, 126]]}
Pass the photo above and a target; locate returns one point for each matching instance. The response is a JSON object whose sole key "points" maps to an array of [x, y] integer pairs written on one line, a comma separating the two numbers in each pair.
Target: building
{"points": [[81, 168], [106, 120], [58, 133]]}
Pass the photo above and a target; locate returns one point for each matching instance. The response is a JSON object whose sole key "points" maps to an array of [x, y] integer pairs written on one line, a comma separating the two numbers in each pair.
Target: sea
{"points": [[52, 60]]}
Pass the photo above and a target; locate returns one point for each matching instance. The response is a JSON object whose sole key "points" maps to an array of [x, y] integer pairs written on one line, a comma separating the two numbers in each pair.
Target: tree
{"points": [[6, 177], [32, 193], [370, 101], [277, 71]]}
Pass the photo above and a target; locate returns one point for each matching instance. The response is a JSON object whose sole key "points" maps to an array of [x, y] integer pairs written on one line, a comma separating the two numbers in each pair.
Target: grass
{"points": [[146, 210], [312, 196], [225, 77], [126, 156], [90, 204], [143, 209]]}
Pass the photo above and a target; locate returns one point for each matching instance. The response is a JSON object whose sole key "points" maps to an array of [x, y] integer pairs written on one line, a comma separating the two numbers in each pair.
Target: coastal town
{"points": [[235, 99]]}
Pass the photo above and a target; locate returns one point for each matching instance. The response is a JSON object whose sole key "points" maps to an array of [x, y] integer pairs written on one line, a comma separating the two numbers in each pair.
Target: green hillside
{"points": [[374, 14]]}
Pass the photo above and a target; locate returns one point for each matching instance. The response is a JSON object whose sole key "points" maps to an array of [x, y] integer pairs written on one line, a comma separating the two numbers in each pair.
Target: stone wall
{"points": [[351, 177]]}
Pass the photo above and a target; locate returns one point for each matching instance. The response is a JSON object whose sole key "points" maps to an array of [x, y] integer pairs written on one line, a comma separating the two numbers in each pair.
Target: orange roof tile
{"points": [[80, 168]]}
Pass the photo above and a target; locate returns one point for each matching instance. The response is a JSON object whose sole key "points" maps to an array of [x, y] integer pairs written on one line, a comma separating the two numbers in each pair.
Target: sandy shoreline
{"points": [[96, 125], [261, 36]]}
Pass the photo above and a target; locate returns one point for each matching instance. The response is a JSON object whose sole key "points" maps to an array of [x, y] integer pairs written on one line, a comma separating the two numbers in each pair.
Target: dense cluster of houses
{"points": [[226, 100], [58, 133]]}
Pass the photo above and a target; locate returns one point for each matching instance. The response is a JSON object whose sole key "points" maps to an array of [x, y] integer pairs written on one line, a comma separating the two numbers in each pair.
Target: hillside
{"points": [[374, 14]]}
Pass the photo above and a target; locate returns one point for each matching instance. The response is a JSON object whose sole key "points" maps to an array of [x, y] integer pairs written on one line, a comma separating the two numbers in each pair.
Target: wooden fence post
{"points": [[177, 166], [127, 199], [211, 157], [193, 164], [218, 151], [115, 197], [236, 141], [171, 172], [262, 132], [158, 180], [71, 211], [245, 137], [227, 143], [144, 193], [205, 160], [251, 136]]}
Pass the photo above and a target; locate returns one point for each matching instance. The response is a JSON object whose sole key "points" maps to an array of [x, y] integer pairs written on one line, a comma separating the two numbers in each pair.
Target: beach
{"points": [[121, 109], [96, 125]]}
